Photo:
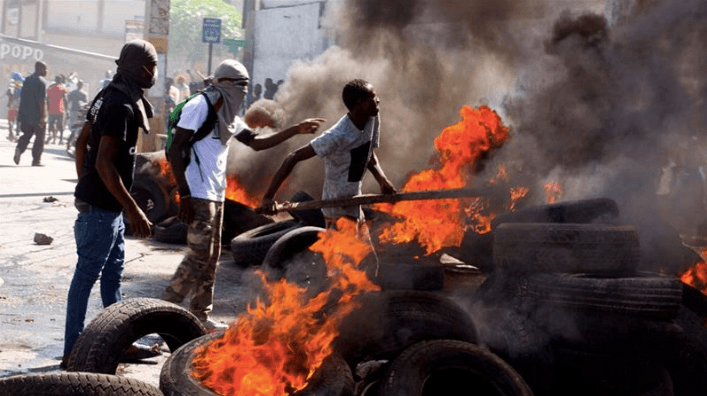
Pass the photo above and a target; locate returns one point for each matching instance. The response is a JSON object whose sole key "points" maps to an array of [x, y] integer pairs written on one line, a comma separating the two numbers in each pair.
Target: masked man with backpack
{"points": [[199, 167]]}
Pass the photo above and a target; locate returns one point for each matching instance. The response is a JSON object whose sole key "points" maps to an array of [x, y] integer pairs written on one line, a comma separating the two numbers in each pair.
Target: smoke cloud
{"points": [[597, 106]]}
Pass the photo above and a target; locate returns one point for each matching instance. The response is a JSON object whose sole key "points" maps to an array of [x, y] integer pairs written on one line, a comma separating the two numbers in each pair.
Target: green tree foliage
{"points": [[185, 22]]}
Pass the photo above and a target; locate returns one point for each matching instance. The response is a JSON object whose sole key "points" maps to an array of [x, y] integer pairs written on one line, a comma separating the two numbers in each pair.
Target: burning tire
{"points": [[251, 247], [478, 249], [568, 248], [389, 322], [290, 257], [333, 378], [103, 342], [288, 245], [642, 294], [441, 367], [72, 384]]}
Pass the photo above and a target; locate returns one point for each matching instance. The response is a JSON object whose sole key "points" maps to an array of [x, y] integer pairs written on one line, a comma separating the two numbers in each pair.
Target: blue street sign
{"points": [[211, 30]]}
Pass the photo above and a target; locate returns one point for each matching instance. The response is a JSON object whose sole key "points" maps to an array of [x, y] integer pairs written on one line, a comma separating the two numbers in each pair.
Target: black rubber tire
{"points": [[334, 378], [688, 365], [239, 218], [74, 384], [452, 367], [251, 247], [102, 343], [151, 197], [642, 294], [414, 276], [477, 249], [584, 373], [171, 230], [310, 217], [289, 244], [569, 248], [388, 322], [290, 258]]}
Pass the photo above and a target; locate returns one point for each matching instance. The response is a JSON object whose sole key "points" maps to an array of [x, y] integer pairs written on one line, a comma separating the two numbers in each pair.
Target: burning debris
{"points": [[276, 346]]}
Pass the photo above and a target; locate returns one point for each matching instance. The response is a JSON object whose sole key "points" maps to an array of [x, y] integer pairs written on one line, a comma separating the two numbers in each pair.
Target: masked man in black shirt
{"points": [[105, 159]]}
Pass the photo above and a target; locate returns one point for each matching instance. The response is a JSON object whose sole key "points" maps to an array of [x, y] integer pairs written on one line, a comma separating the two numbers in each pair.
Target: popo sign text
{"points": [[21, 52], [211, 30]]}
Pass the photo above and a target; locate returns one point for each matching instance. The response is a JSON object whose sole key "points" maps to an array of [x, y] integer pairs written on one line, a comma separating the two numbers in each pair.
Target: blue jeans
{"points": [[100, 245]]}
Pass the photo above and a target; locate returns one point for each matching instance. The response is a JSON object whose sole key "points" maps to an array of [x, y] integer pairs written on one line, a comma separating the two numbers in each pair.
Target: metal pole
{"points": [[367, 199], [211, 46]]}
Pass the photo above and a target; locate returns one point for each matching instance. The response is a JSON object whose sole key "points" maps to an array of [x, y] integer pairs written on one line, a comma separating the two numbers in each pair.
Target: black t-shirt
{"points": [[111, 114], [34, 90]]}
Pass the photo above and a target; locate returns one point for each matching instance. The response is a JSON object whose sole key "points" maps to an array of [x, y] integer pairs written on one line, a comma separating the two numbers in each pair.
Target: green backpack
{"points": [[203, 130]]}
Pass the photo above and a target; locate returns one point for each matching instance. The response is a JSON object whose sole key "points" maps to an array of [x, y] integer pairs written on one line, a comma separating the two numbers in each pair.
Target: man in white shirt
{"points": [[347, 149], [200, 171]]}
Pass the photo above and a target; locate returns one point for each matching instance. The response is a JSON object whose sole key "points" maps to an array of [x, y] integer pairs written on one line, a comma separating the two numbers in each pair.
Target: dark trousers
{"points": [[29, 130]]}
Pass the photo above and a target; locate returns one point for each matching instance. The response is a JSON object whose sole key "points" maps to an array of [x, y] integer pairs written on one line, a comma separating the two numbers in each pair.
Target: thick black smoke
{"points": [[425, 58]]}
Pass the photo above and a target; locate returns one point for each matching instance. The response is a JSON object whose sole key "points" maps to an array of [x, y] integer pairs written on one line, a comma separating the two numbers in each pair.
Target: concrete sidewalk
{"points": [[34, 279]]}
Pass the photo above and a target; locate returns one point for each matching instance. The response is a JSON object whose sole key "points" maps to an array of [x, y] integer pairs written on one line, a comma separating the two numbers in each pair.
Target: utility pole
{"points": [[157, 33]]}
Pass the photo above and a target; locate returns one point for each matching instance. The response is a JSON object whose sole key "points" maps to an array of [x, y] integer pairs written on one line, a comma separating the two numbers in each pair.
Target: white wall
{"points": [[115, 13], [283, 35], [81, 16]]}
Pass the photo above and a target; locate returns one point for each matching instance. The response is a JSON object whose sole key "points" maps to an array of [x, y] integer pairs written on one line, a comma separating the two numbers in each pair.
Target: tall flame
{"points": [[275, 347], [696, 275], [441, 223], [236, 192]]}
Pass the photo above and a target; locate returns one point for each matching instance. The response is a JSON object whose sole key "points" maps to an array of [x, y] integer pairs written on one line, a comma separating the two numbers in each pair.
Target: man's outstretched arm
{"points": [[301, 154], [307, 126]]}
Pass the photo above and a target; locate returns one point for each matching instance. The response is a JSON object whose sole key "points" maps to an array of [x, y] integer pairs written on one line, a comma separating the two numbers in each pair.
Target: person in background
{"points": [[14, 93], [200, 172], [76, 99], [32, 114], [105, 161], [57, 105]]}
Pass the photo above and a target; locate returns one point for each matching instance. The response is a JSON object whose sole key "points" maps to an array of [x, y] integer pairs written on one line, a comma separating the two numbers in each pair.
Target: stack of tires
{"points": [[402, 343], [580, 318]]}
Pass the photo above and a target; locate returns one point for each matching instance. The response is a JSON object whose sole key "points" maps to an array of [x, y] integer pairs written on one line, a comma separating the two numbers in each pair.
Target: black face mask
{"points": [[133, 58], [145, 83]]}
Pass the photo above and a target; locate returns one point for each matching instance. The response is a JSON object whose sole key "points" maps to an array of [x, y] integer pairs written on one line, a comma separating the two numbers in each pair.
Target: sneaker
{"points": [[212, 326], [16, 158], [37, 164]]}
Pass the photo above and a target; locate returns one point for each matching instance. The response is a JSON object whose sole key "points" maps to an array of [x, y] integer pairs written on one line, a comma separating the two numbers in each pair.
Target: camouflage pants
{"points": [[196, 274]]}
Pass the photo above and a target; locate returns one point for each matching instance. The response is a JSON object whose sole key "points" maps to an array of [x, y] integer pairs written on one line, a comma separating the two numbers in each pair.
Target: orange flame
{"points": [[441, 223], [553, 192], [696, 276], [236, 192], [274, 348]]}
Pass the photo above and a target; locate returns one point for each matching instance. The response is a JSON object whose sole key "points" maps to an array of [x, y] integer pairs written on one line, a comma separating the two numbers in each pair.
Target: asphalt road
{"points": [[34, 279]]}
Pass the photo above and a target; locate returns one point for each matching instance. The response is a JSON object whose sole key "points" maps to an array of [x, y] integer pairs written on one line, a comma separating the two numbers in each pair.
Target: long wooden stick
{"points": [[367, 199]]}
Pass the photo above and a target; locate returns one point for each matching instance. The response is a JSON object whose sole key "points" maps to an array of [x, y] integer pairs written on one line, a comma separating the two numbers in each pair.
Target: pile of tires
{"points": [[570, 296]]}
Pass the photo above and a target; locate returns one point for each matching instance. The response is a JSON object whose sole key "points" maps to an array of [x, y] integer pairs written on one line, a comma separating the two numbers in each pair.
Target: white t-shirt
{"points": [[206, 172], [346, 151]]}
